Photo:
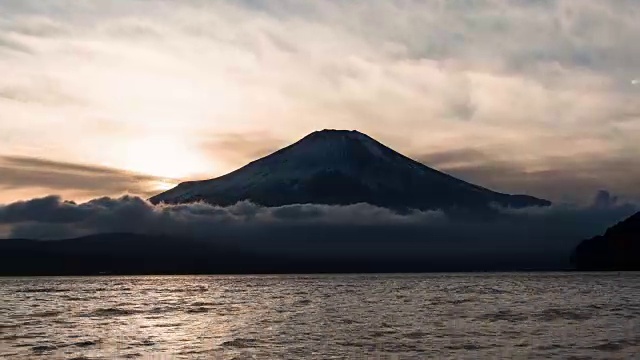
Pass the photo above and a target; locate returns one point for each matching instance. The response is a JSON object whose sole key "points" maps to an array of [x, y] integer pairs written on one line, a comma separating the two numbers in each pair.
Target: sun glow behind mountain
{"points": [[164, 156]]}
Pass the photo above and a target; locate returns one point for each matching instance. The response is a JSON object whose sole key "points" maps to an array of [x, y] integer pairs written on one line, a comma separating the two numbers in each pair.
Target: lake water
{"points": [[458, 316]]}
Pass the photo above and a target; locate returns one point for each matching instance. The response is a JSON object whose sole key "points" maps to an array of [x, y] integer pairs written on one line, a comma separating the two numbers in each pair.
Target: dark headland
{"points": [[617, 249]]}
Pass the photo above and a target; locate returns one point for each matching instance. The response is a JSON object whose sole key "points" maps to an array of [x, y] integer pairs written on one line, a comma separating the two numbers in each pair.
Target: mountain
{"points": [[340, 167], [617, 249], [132, 254], [121, 253]]}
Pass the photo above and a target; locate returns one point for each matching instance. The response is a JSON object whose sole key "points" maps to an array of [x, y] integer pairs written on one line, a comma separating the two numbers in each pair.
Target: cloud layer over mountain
{"points": [[541, 234]]}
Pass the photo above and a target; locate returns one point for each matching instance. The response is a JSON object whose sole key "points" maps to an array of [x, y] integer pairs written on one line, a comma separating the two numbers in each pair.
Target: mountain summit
{"points": [[341, 167]]}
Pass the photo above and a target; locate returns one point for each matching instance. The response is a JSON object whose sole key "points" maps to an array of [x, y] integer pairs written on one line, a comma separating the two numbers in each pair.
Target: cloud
{"points": [[44, 92], [532, 235], [547, 179], [7, 44], [517, 80], [20, 172]]}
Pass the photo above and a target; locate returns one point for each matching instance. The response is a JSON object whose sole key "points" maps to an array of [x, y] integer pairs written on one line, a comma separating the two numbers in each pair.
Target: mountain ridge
{"points": [[617, 249], [341, 167], [140, 254]]}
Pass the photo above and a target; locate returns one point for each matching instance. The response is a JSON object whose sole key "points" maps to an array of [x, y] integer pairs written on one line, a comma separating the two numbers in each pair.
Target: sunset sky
{"points": [[111, 97]]}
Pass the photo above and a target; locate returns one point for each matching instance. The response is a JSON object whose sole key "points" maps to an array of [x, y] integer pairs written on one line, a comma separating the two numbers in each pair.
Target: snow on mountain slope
{"points": [[341, 167]]}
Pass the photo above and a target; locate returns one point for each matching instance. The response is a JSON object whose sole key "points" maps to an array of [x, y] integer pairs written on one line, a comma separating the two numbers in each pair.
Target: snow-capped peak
{"points": [[338, 167]]}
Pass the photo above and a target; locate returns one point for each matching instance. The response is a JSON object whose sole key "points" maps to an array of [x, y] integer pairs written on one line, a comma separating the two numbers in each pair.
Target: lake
{"points": [[412, 316]]}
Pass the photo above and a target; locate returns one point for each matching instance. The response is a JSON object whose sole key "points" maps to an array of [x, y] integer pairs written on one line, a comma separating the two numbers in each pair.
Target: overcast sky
{"points": [[107, 97]]}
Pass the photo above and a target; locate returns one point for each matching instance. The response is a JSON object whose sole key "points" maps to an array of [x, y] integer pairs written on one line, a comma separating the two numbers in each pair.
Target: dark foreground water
{"points": [[458, 316]]}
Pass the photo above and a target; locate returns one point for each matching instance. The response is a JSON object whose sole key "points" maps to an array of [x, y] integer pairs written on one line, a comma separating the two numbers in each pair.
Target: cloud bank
{"points": [[534, 235]]}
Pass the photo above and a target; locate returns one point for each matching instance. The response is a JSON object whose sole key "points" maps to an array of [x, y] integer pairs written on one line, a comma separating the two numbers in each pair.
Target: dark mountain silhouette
{"points": [[340, 167], [130, 254], [617, 249], [121, 253]]}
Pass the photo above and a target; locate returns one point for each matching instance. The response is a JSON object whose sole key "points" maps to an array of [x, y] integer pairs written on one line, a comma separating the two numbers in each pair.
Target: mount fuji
{"points": [[340, 167]]}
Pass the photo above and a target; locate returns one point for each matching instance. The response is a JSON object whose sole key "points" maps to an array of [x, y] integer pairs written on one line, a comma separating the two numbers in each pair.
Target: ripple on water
{"points": [[197, 310], [613, 346], [564, 314], [9, 326], [469, 346], [44, 290], [46, 314], [162, 309], [145, 342], [382, 333], [302, 302], [207, 303], [113, 311], [241, 343], [503, 315], [405, 316], [87, 343], [415, 335], [43, 348]]}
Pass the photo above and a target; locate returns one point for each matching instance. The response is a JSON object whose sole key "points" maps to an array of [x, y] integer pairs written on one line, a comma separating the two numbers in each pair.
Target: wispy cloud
{"points": [[550, 179], [78, 180]]}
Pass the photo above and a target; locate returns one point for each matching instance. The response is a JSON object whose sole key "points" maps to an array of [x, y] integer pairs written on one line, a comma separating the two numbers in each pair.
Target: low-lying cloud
{"points": [[536, 234]]}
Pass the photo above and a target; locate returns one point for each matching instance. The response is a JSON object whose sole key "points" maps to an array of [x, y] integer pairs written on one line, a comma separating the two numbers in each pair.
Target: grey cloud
{"points": [[310, 230], [453, 156], [37, 26], [12, 45], [522, 33], [50, 209], [568, 33], [47, 93], [29, 172], [135, 28], [615, 172], [604, 199]]}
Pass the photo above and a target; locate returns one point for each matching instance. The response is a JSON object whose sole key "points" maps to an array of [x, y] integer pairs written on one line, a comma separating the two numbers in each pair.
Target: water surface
{"points": [[458, 316]]}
